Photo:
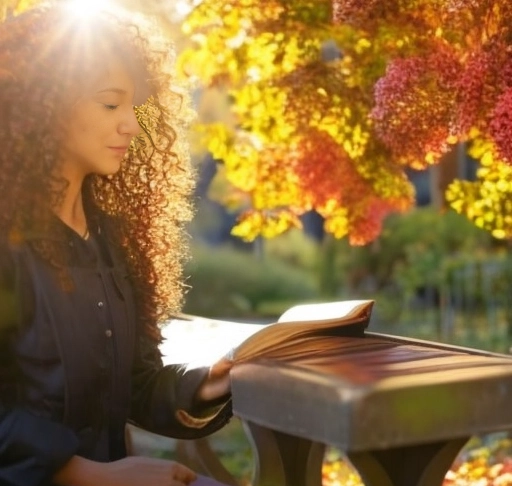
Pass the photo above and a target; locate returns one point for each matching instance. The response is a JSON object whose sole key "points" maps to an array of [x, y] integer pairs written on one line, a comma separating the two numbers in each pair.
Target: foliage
{"points": [[414, 251], [487, 202], [295, 249], [13, 7], [454, 85], [411, 79], [225, 282], [303, 139]]}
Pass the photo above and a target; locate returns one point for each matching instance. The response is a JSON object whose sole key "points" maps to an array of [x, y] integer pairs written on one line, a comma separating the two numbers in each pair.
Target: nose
{"points": [[129, 125]]}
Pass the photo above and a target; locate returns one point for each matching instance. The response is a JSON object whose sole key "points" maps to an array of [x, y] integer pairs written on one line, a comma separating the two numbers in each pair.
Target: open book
{"points": [[302, 329]]}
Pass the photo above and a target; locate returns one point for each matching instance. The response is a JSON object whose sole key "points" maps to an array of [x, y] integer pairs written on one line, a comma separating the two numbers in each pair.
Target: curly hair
{"points": [[46, 62]]}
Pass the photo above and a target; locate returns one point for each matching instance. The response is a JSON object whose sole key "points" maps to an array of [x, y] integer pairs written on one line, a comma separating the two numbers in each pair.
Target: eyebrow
{"points": [[112, 90]]}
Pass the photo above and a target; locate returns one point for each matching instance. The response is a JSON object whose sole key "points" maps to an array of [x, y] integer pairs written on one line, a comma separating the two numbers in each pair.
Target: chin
{"points": [[109, 169]]}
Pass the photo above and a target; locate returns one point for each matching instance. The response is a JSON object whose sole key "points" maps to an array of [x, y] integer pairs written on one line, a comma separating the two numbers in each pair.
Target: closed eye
{"points": [[110, 107]]}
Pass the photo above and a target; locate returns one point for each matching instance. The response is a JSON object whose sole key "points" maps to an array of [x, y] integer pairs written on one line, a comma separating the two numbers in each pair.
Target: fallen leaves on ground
{"points": [[484, 462], [475, 473]]}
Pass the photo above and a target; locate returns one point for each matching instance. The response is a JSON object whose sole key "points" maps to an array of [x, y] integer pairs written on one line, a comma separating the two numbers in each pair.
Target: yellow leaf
{"points": [[487, 158], [431, 158], [499, 234], [248, 227]]}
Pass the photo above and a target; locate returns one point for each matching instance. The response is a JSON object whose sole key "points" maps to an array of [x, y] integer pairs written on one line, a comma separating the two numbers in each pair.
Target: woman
{"points": [[94, 196]]}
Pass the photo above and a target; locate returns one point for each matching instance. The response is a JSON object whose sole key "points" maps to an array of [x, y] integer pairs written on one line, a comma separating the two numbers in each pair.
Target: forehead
{"points": [[114, 76]]}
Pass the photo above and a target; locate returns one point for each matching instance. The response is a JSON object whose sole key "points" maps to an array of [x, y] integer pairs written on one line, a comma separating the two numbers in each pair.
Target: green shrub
{"points": [[412, 251], [294, 248], [228, 283]]}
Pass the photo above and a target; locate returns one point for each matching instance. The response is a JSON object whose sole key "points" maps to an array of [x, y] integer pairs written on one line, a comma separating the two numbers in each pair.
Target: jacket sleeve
{"points": [[32, 449], [163, 397]]}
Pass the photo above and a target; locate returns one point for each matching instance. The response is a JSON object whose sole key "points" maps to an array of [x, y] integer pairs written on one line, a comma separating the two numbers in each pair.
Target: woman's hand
{"points": [[144, 471], [217, 384], [130, 471]]}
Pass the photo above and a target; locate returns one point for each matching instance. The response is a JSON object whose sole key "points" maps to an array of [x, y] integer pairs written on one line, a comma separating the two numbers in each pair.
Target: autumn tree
{"points": [[452, 84], [411, 79], [303, 138]]}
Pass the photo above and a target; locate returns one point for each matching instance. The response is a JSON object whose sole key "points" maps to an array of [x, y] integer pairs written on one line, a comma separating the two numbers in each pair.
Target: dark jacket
{"points": [[74, 367]]}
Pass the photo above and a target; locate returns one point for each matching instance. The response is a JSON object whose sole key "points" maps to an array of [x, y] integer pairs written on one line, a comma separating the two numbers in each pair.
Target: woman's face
{"points": [[100, 126]]}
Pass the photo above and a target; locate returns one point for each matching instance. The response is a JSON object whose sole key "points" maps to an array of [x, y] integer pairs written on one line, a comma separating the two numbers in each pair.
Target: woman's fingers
{"points": [[221, 368], [147, 471], [218, 383], [182, 473]]}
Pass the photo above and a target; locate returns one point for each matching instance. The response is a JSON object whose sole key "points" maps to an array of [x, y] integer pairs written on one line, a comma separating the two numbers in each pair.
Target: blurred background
{"points": [[349, 150]]}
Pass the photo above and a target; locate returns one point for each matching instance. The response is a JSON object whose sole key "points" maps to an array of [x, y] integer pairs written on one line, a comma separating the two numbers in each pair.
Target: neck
{"points": [[71, 210]]}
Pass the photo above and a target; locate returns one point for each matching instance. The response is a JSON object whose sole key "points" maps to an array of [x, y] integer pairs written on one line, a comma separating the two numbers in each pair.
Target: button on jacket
{"points": [[74, 367]]}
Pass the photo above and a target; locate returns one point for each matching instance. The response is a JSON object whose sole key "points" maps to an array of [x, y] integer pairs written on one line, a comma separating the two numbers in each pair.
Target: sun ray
{"points": [[83, 9]]}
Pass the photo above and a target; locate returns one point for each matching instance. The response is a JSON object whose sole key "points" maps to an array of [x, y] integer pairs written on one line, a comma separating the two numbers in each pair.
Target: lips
{"points": [[121, 150]]}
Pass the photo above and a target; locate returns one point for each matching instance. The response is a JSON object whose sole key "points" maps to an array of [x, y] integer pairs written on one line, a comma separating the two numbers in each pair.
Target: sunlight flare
{"points": [[84, 9]]}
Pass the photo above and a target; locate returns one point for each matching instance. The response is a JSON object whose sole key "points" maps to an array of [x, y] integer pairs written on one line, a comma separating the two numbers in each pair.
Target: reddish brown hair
{"points": [[45, 63]]}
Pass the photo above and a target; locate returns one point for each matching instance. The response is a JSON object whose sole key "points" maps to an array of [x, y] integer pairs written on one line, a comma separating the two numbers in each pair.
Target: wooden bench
{"points": [[400, 409]]}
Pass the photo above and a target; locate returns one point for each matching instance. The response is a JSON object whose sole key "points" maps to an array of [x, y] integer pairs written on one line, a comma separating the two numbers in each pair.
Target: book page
{"points": [[287, 334], [324, 311], [202, 341]]}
